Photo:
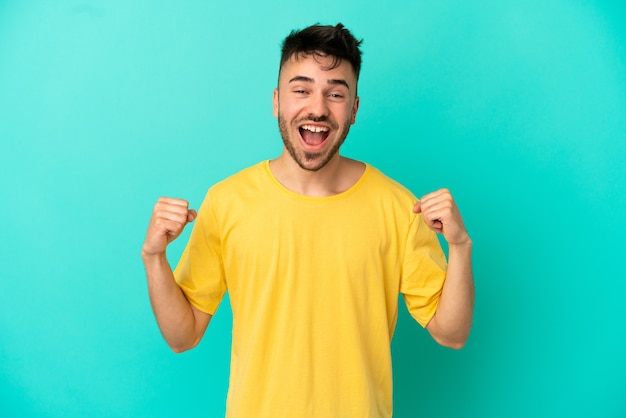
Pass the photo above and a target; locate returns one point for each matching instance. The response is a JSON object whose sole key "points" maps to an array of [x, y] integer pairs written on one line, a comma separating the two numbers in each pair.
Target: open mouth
{"points": [[314, 135]]}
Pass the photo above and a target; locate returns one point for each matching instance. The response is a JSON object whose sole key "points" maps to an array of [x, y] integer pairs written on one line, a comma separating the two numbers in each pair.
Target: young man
{"points": [[313, 249]]}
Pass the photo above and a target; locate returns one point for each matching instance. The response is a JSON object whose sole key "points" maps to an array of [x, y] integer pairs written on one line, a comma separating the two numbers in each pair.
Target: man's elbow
{"points": [[454, 338], [179, 347], [453, 343]]}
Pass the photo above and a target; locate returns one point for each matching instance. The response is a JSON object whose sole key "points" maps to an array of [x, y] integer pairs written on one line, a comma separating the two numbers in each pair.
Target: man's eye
{"points": [[336, 96]]}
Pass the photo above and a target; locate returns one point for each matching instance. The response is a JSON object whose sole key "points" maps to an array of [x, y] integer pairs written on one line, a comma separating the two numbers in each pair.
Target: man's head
{"points": [[332, 41], [316, 99]]}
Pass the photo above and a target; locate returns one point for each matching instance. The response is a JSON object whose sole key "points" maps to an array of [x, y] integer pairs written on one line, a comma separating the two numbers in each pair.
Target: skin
{"points": [[181, 324], [311, 94], [452, 322]]}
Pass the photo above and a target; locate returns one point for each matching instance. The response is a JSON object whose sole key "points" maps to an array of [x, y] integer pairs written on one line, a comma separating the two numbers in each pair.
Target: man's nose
{"points": [[318, 107]]}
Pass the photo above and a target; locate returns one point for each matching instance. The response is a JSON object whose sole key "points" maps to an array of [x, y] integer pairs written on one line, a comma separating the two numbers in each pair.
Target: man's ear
{"points": [[355, 108], [275, 102]]}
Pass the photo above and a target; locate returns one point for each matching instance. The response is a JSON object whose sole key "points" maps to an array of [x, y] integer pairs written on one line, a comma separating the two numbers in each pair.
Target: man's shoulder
{"points": [[386, 183], [244, 177]]}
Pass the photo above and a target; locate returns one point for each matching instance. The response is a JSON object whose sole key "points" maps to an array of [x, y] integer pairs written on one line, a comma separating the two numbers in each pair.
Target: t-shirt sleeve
{"points": [[200, 272], [424, 271]]}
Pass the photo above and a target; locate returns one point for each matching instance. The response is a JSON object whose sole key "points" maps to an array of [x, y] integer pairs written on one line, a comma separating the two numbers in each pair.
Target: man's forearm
{"points": [[171, 308], [453, 320]]}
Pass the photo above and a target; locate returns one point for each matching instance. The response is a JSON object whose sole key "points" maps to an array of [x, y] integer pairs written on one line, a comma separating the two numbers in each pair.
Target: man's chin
{"points": [[311, 166], [308, 161]]}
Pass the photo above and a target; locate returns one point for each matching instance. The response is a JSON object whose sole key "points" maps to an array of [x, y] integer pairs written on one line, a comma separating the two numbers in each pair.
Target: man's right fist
{"points": [[168, 220]]}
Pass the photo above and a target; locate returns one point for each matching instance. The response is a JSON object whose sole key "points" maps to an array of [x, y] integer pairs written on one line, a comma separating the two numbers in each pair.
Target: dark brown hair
{"points": [[334, 41]]}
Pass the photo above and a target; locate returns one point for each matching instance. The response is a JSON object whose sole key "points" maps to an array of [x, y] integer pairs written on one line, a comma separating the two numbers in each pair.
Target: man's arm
{"points": [[181, 324], [451, 324]]}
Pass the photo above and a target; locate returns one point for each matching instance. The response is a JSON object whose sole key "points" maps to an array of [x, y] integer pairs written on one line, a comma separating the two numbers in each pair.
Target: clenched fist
{"points": [[442, 216], [168, 221]]}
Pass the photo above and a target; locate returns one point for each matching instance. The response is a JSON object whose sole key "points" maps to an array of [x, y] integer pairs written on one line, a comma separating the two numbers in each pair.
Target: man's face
{"points": [[315, 107]]}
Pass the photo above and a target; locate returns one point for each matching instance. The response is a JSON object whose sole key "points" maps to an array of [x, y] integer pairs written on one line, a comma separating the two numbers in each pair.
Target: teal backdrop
{"points": [[519, 107]]}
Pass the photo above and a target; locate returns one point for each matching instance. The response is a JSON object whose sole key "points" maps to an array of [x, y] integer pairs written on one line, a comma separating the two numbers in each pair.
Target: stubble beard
{"points": [[302, 158]]}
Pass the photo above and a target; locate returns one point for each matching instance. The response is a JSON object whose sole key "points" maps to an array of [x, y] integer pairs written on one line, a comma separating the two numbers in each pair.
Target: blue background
{"points": [[519, 107]]}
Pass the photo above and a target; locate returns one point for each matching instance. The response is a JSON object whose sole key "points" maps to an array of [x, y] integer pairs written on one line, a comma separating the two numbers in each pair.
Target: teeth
{"points": [[315, 128]]}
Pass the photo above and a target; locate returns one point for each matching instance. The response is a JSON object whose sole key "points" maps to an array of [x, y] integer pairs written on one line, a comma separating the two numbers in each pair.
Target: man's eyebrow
{"points": [[339, 82], [302, 78], [333, 81]]}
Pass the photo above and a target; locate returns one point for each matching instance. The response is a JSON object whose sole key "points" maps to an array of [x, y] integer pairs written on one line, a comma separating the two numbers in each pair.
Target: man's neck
{"points": [[337, 176]]}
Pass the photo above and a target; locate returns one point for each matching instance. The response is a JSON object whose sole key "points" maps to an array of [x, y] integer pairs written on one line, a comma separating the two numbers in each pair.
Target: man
{"points": [[313, 249]]}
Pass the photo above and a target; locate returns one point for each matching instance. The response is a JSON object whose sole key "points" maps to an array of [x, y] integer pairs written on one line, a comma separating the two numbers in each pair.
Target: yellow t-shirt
{"points": [[313, 283]]}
